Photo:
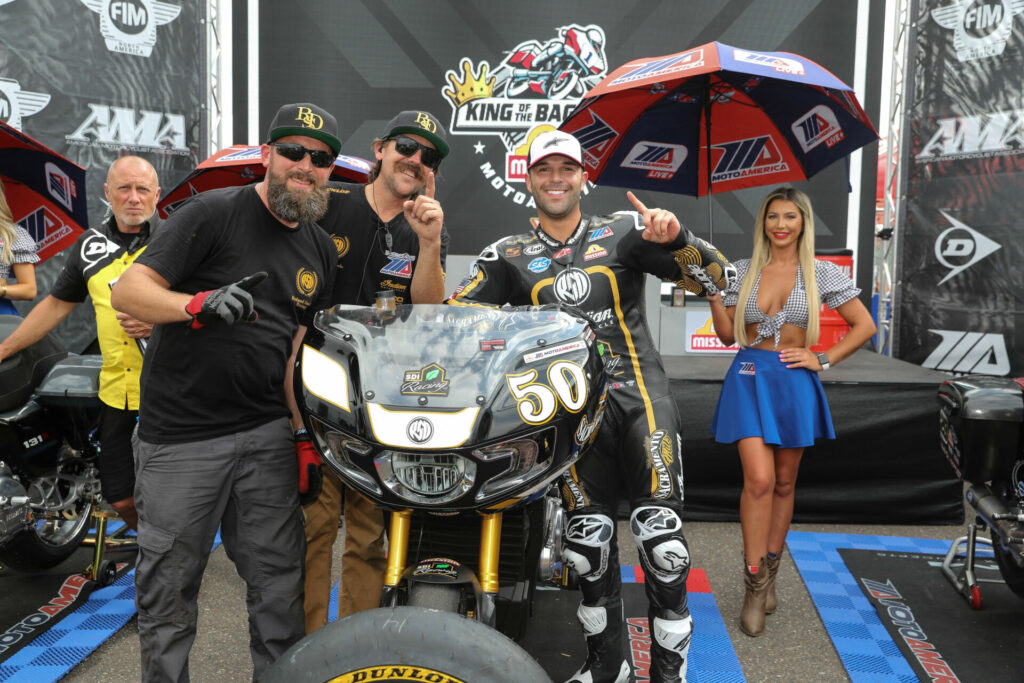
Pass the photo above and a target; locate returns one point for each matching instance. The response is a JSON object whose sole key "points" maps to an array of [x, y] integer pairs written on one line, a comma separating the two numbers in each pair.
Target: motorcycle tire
{"points": [[405, 644], [35, 548]]}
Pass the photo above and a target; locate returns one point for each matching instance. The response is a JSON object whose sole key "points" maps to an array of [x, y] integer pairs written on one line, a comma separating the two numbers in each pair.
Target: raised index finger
{"points": [[637, 204], [429, 189]]}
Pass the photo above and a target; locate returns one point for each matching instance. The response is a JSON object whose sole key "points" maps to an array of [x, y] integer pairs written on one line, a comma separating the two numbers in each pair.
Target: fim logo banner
{"points": [[16, 103], [129, 26], [980, 29]]}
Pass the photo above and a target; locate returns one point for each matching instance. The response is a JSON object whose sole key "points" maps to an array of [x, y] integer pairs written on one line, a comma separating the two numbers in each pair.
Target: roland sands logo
{"points": [[393, 672], [129, 26], [969, 352], [122, 128]]}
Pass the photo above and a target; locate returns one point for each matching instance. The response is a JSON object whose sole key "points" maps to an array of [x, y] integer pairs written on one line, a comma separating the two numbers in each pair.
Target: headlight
{"points": [[431, 478], [526, 459]]}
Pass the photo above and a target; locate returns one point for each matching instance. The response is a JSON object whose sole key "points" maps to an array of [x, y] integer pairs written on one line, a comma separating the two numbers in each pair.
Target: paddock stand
{"points": [[965, 580], [104, 570]]}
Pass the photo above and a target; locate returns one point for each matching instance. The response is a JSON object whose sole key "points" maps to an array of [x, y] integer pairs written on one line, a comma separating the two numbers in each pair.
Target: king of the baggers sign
{"points": [[531, 91]]}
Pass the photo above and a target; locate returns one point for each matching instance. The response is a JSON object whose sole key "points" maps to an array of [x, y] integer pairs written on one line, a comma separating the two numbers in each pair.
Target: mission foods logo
{"points": [[529, 92], [15, 103], [129, 26], [980, 29], [121, 128]]}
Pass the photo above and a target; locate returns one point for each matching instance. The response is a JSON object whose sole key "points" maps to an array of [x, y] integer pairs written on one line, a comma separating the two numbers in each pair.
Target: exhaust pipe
{"points": [[1007, 524]]}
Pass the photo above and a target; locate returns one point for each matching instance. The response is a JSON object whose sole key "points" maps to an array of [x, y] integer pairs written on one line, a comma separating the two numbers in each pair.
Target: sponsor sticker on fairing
{"points": [[555, 351]]}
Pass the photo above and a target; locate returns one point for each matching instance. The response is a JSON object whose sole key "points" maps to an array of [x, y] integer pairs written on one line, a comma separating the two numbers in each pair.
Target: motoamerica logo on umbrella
{"points": [[529, 92]]}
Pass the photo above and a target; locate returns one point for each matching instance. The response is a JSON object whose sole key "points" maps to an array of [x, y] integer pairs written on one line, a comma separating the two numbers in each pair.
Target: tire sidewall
{"points": [[410, 638]]}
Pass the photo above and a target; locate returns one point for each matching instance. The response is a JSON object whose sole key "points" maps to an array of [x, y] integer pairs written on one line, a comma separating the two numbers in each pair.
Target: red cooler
{"points": [[833, 327]]}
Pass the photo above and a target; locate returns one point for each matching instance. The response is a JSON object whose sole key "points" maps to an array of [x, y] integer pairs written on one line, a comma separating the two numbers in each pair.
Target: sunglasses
{"points": [[296, 152], [406, 146]]}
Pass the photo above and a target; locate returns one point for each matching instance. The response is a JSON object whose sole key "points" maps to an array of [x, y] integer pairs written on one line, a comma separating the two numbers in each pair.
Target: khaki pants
{"points": [[362, 562]]}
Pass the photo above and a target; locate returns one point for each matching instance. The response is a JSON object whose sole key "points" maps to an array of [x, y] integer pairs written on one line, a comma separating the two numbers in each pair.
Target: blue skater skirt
{"points": [[762, 397]]}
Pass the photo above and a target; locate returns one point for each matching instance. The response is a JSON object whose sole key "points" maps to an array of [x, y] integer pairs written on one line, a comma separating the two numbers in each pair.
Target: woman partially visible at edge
{"points": [[17, 255], [772, 404]]}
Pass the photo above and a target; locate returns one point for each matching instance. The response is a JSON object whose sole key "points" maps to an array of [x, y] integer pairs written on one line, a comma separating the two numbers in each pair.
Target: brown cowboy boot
{"points": [[770, 602], [752, 614]]}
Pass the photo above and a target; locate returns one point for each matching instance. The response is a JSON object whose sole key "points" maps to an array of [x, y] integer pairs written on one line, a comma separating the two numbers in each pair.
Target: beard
{"points": [[299, 206]]}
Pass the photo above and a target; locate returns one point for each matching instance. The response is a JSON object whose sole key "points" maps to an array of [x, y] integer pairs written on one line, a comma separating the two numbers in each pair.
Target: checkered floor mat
{"points": [[51, 655], [863, 644]]}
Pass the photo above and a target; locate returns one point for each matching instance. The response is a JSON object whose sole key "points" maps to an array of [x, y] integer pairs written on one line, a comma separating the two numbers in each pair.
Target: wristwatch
{"points": [[823, 359]]}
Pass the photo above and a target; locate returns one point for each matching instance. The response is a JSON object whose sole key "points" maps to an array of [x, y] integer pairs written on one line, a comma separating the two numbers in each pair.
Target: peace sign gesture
{"points": [[660, 225], [424, 214]]}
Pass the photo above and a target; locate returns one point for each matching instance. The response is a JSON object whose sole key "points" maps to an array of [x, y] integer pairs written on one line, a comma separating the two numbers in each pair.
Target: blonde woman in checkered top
{"points": [[772, 404], [17, 255]]}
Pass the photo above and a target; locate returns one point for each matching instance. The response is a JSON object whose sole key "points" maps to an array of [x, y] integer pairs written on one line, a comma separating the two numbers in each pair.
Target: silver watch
{"points": [[823, 359]]}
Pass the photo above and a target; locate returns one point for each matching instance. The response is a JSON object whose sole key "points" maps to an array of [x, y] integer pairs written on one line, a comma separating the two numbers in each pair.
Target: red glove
{"points": [[310, 468], [229, 304]]}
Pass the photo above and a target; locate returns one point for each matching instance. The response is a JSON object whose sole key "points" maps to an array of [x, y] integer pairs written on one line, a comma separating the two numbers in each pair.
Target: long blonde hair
{"points": [[8, 230], [762, 256]]}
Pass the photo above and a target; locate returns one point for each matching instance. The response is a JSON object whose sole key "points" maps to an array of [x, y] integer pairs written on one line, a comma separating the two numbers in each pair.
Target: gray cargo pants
{"points": [[245, 483]]}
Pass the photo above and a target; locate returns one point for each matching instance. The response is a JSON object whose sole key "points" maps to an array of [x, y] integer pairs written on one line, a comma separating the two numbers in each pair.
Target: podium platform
{"points": [[885, 465]]}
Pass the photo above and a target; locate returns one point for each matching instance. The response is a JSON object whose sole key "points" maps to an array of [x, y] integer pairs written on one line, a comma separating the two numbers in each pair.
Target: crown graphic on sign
{"points": [[471, 86]]}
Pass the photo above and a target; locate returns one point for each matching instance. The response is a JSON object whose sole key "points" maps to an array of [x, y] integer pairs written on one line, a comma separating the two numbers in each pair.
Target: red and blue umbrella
{"points": [[241, 165], [46, 192], [716, 118]]}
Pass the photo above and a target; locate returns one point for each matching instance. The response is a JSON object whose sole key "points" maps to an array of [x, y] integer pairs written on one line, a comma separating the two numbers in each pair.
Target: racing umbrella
{"points": [[46, 192], [241, 165], [716, 118]]}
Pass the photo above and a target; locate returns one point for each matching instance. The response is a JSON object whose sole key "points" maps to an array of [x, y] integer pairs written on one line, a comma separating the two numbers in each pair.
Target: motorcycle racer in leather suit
{"points": [[599, 265]]}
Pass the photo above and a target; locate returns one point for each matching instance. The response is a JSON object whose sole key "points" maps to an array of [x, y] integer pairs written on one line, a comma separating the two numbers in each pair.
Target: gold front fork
{"points": [[490, 547], [398, 546]]}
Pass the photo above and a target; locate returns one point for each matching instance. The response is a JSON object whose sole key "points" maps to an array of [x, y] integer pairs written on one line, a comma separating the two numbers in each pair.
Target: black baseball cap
{"points": [[306, 119], [421, 123]]}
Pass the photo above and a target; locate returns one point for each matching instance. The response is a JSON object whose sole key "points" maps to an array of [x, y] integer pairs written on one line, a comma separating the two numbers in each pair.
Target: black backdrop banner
{"points": [[960, 280], [98, 79], [366, 60]]}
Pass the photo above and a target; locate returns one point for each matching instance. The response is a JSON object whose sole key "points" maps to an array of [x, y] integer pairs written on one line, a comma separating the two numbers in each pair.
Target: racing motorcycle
{"points": [[981, 429], [566, 66], [457, 420], [48, 452]]}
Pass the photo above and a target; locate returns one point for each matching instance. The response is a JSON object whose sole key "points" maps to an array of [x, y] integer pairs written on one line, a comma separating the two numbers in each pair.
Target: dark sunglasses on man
{"points": [[406, 146], [296, 152]]}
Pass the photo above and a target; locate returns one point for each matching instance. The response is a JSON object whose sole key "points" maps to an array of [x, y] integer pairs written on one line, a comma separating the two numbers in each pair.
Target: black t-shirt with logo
{"points": [[222, 379], [367, 263]]}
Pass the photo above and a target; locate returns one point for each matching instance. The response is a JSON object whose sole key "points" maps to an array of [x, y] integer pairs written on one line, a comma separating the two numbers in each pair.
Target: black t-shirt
{"points": [[222, 379], [367, 263]]}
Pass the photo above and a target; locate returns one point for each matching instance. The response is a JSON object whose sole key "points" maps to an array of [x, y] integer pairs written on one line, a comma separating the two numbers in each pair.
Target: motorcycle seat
{"points": [[22, 373]]}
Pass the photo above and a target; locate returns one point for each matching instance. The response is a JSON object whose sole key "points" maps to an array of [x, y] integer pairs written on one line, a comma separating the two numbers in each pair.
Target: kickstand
{"points": [[104, 571]]}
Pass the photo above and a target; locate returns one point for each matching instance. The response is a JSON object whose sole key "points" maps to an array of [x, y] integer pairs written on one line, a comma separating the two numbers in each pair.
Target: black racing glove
{"points": [[229, 304]]}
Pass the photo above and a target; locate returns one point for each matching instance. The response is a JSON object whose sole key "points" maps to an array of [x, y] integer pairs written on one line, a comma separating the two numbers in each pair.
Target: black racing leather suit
{"points": [[602, 270]]}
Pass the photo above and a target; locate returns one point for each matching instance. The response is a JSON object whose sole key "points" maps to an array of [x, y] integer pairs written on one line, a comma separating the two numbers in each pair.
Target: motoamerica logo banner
{"points": [[529, 92]]}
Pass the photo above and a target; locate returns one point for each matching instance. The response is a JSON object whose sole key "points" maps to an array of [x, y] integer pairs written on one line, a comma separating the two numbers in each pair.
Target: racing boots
{"points": [[602, 625]]}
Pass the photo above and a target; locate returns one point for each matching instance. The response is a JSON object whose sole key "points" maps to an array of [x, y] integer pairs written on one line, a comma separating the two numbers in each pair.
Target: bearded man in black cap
{"points": [[390, 235], [231, 282]]}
